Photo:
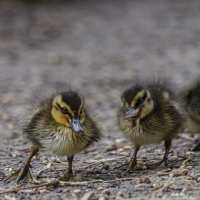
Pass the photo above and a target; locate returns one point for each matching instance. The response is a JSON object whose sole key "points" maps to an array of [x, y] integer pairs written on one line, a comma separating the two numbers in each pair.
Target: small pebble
{"points": [[179, 172], [120, 196], [77, 191], [145, 180], [104, 195], [87, 196], [7, 197]]}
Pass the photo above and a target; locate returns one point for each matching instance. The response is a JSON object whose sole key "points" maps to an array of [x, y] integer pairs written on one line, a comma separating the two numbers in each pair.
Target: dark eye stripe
{"points": [[145, 96], [64, 110], [81, 110], [141, 100]]}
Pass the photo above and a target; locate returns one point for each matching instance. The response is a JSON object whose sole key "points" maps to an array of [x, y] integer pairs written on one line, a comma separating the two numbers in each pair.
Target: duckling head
{"points": [[137, 103], [68, 110]]}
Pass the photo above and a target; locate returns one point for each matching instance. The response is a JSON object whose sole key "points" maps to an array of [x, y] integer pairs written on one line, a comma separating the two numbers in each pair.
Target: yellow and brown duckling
{"points": [[61, 125], [148, 116], [191, 106]]}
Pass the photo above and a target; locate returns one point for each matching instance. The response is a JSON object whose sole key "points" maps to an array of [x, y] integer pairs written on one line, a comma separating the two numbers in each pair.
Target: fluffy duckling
{"points": [[62, 125], [148, 116], [191, 106]]}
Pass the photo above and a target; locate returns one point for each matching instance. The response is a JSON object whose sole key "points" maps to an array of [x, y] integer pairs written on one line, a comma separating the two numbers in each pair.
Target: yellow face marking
{"points": [[81, 111], [138, 96], [124, 103], [58, 116], [81, 106], [64, 105]]}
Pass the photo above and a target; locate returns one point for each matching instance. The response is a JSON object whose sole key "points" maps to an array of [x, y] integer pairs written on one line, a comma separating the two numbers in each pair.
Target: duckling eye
{"points": [[139, 101], [148, 100], [64, 110]]}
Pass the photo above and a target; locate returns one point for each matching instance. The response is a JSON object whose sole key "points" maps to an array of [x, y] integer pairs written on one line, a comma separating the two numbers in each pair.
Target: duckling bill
{"points": [[148, 116], [63, 126]]}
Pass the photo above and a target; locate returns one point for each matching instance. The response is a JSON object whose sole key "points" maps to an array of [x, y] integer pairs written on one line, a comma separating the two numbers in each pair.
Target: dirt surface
{"points": [[97, 48]]}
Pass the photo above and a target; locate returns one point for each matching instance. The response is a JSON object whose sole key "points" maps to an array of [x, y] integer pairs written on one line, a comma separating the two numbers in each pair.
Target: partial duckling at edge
{"points": [[190, 98]]}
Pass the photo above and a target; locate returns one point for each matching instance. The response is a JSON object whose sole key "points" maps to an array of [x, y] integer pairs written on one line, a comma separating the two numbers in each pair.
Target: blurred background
{"points": [[95, 47]]}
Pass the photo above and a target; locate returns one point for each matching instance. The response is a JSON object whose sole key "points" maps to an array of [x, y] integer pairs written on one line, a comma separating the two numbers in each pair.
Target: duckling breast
{"points": [[65, 142], [139, 136]]}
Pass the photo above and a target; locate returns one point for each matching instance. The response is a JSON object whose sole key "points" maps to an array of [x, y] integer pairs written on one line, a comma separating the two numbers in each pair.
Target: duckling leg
{"points": [[167, 149], [69, 173], [133, 161], [24, 171], [165, 157]]}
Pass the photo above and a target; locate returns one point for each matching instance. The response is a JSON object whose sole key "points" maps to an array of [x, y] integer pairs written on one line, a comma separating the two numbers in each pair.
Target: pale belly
{"points": [[142, 138], [64, 144]]}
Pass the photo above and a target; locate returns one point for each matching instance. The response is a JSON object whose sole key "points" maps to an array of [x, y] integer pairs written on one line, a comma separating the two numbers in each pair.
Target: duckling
{"points": [[148, 116], [62, 125], [191, 105]]}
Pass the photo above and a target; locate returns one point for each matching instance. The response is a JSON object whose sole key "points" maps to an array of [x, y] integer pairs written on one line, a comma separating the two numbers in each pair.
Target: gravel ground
{"points": [[97, 48]]}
